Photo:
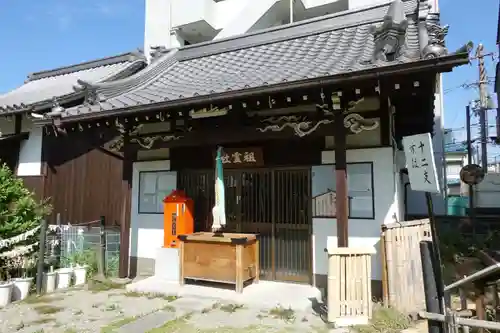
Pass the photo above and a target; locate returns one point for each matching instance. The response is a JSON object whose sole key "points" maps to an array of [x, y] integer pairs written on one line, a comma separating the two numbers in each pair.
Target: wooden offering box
{"points": [[224, 258]]}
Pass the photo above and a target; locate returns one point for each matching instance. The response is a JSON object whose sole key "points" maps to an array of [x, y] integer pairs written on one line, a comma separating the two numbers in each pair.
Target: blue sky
{"points": [[38, 35], [475, 21]]}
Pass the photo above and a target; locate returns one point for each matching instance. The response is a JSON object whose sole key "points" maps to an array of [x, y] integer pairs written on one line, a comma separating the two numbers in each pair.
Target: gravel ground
{"points": [[108, 309], [76, 311]]}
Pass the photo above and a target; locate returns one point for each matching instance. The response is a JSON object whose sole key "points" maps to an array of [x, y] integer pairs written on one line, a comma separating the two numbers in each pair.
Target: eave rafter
{"points": [[300, 113]]}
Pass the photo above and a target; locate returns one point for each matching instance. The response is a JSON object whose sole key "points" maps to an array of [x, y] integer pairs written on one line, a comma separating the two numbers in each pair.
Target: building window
{"points": [[360, 187], [453, 170], [154, 186]]}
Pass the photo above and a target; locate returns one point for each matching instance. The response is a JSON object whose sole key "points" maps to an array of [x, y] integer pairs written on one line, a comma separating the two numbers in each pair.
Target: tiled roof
{"points": [[458, 147], [323, 47], [63, 83]]}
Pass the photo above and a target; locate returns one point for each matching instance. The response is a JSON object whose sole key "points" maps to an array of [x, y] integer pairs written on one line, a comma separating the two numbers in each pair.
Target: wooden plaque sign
{"points": [[242, 157]]}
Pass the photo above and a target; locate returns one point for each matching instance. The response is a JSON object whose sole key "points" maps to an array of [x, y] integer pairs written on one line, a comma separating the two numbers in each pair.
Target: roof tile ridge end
{"points": [[109, 89], [110, 78]]}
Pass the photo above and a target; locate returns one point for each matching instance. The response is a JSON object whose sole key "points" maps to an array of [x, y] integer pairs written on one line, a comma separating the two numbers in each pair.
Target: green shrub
{"points": [[19, 213]]}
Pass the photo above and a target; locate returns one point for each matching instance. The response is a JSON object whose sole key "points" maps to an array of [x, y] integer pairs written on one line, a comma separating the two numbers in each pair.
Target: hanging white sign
{"points": [[420, 163]]}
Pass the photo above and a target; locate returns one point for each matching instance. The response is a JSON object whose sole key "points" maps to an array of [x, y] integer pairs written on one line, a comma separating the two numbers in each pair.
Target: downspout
{"points": [[405, 200]]}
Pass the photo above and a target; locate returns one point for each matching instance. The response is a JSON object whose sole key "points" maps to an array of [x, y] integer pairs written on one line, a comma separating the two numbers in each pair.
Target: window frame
{"points": [[140, 194], [370, 163]]}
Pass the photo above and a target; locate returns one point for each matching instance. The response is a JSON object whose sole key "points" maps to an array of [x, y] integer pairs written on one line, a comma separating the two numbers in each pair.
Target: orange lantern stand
{"points": [[177, 217]]}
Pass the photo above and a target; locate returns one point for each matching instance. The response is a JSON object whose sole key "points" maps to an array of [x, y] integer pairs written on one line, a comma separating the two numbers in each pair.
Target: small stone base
{"points": [[122, 281], [167, 264]]}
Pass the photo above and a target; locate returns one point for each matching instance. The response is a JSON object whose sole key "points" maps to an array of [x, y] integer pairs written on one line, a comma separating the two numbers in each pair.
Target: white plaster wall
{"points": [[247, 16], [185, 12], [30, 155], [146, 230], [158, 25], [362, 232], [488, 191]]}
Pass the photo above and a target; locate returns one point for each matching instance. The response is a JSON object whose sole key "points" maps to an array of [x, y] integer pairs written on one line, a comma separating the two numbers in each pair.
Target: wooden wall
{"points": [[82, 182], [35, 184]]}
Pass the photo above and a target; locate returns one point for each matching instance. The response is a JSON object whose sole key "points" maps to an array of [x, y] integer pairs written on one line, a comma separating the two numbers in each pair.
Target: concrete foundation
{"points": [[264, 294]]}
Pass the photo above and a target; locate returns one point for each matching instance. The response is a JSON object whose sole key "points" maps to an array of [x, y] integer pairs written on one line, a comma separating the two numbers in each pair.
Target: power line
{"points": [[468, 85], [463, 128], [486, 80]]}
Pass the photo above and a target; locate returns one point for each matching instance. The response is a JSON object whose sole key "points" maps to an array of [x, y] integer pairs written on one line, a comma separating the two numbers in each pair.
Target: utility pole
{"points": [[469, 159], [497, 90], [483, 106]]}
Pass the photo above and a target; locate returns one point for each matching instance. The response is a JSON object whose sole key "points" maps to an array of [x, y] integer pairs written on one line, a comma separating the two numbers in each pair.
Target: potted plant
{"points": [[5, 288], [80, 263], [64, 275], [49, 281], [22, 284]]}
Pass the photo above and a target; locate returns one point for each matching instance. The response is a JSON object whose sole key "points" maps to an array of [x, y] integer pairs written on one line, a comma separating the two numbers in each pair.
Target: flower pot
{"points": [[49, 282], [5, 293], [21, 288], [64, 277], [80, 275]]}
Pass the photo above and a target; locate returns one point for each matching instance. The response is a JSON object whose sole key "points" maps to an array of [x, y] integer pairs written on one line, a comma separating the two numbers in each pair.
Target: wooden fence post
{"points": [[463, 298], [102, 247], [41, 256], [480, 291], [58, 249], [385, 274]]}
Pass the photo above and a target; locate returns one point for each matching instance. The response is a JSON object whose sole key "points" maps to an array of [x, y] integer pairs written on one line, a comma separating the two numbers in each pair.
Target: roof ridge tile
{"points": [[124, 57]]}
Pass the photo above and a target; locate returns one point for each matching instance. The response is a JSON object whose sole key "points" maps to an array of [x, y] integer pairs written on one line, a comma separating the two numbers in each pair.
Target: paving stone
{"points": [[148, 322], [193, 304], [247, 317]]}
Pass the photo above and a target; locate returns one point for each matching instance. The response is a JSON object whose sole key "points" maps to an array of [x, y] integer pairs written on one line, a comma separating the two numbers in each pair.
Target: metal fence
{"points": [[69, 245], [453, 323]]}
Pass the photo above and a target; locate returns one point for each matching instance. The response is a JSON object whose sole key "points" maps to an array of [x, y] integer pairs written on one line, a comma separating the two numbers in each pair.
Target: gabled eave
{"points": [[136, 63], [435, 65]]}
